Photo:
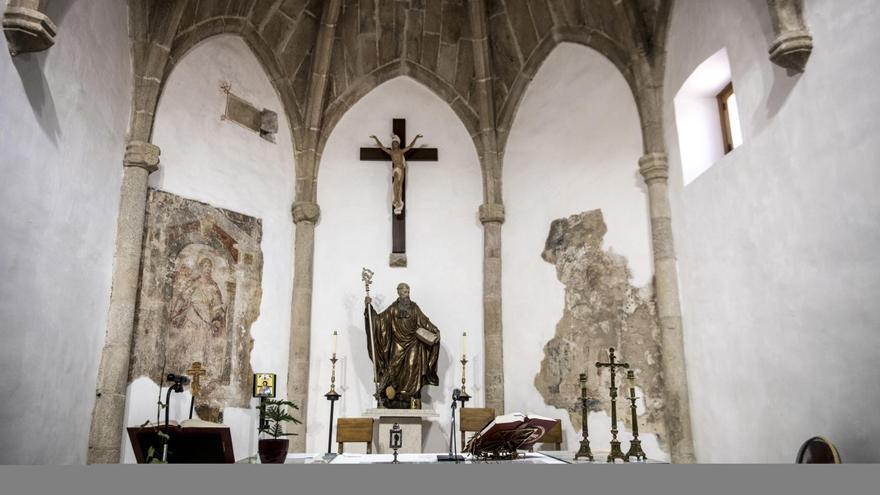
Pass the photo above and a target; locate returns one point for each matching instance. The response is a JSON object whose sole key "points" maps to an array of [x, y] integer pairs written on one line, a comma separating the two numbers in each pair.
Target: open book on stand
{"points": [[509, 433], [191, 441]]}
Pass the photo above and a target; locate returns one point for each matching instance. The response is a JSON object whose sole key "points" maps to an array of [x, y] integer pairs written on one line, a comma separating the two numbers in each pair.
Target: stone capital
{"points": [[791, 50], [26, 28], [654, 167], [492, 213], [306, 211], [142, 154], [793, 44]]}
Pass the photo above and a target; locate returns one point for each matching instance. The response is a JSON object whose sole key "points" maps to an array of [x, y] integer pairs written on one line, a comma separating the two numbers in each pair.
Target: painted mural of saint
{"points": [[198, 317]]}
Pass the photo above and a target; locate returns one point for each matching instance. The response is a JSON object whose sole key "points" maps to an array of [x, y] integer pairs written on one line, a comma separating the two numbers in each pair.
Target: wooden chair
{"points": [[354, 430], [818, 450], [554, 435], [474, 419]]}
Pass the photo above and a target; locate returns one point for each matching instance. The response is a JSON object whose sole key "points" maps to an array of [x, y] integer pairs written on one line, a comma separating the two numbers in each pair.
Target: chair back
{"points": [[354, 430], [818, 450], [474, 419], [554, 435]]}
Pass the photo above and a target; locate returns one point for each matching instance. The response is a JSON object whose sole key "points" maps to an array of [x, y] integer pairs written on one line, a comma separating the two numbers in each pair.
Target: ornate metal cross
{"points": [[613, 364], [196, 372], [615, 453], [398, 221]]}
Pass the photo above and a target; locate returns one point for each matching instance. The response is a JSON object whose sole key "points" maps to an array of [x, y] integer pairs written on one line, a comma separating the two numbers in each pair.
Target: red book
{"points": [[511, 432]]}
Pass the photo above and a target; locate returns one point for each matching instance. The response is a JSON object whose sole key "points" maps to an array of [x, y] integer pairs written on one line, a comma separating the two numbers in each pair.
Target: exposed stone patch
{"points": [[200, 292], [602, 310]]}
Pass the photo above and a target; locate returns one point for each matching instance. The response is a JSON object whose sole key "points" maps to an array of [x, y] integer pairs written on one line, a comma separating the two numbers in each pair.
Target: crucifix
{"points": [[196, 372], [615, 453], [398, 154]]}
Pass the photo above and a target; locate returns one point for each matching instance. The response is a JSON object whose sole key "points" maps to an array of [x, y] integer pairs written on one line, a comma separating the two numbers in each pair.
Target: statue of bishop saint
{"points": [[407, 345]]}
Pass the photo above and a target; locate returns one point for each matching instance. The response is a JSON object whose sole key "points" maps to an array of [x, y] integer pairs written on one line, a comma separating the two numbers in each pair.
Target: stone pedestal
{"points": [[411, 421]]}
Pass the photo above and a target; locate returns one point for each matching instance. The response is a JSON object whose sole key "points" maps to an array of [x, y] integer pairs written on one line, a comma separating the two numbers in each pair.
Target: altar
{"points": [[549, 457], [411, 421]]}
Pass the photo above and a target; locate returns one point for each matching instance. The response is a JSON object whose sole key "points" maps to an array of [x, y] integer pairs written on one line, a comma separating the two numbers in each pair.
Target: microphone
{"points": [[456, 394], [178, 379]]}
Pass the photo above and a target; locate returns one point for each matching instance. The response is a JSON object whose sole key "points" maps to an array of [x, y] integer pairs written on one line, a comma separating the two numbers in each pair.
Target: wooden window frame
{"points": [[724, 113]]}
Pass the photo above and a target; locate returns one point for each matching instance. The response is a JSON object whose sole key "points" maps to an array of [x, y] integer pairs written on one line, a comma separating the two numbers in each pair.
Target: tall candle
{"points": [[334, 342], [464, 344]]}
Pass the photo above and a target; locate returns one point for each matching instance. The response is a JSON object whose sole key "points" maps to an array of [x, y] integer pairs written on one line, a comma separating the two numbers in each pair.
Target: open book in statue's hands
{"points": [[510, 432]]}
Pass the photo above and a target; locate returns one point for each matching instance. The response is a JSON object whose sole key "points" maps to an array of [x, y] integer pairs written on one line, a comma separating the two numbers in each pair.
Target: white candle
{"points": [[464, 344], [334, 342]]}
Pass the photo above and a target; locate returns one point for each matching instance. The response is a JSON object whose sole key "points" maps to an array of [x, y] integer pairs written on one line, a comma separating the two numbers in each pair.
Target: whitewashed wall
{"points": [[777, 244], [228, 166], [444, 247], [574, 147], [63, 117]]}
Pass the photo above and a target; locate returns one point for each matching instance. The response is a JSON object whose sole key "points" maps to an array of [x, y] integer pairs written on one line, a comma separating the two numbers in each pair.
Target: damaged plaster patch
{"points": [[200, 292], [602, 309]]}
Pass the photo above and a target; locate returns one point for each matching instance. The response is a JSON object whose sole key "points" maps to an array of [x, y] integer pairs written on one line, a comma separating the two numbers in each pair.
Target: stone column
{"points": [[492, 216], [655, 170], [305, 216], [105, 438]]}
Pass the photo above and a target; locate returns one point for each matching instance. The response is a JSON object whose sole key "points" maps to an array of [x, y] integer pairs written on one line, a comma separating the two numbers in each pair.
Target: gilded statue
{"points": [[398, 170], [407, 345]]}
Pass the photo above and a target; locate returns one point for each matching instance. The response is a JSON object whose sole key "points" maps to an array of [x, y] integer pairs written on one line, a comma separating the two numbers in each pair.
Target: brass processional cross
{"points": [[398, 221], [616, 452], [196, 372]]}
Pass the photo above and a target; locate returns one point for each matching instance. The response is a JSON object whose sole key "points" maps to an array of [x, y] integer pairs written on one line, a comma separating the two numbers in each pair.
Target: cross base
{"points": [[616, 453]]}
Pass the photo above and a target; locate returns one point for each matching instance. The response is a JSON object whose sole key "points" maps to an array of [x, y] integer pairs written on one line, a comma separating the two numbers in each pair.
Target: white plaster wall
{"points": [[63, 117], [228, 166], [574, 147], [444, 247], [777, 243]]}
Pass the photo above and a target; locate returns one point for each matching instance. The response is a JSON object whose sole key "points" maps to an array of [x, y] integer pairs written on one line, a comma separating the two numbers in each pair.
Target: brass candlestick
{"points": [[616, 452], [464, 397], [635, 446], [584, 451], [332, 396]]}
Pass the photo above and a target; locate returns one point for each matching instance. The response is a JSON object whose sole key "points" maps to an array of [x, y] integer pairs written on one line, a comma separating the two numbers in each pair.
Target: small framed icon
{"points": [[264, 385]]}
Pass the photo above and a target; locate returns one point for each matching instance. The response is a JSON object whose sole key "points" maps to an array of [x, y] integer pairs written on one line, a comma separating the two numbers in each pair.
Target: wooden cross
{"points": [[398, 222], [196, 372]]}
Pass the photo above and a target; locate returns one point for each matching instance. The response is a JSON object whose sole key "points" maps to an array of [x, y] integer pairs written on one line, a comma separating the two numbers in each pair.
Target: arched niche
{"points": [[444, 244], [225, 165], [573, 147]]}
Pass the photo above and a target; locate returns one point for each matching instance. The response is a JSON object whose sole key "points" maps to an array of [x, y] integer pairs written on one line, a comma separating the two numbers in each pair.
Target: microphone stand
{"points": [[178, 382], [453, 453]]}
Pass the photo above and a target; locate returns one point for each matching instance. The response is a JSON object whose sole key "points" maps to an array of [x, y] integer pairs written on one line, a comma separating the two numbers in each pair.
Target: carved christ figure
{"points": [[398, 168]]}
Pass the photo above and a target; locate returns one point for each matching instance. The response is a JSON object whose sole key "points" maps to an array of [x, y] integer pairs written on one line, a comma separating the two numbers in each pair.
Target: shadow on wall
{"points": [[30, 70], [57, 10], [30, 67]]}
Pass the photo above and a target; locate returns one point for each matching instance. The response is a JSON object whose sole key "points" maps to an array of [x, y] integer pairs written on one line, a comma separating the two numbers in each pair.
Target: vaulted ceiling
{"points": [[429, 40]]}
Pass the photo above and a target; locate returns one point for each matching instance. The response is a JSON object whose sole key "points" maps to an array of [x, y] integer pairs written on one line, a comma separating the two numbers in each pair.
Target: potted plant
{"points": [[274, 450]]}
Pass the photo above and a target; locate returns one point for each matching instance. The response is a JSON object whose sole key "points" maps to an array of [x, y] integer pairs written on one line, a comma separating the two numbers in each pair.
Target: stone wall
{"points": [[63, 117], [777, 241]]}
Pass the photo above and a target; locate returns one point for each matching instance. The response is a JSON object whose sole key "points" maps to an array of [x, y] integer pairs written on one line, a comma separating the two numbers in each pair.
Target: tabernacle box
{"points": [[509, 433]]}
